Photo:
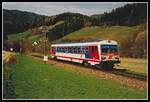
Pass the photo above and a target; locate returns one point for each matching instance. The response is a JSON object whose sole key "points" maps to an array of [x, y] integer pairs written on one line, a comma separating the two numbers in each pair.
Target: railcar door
{"points": [[94, 52], [87, 52], [96, 55], [53, 50], [91, 51]]}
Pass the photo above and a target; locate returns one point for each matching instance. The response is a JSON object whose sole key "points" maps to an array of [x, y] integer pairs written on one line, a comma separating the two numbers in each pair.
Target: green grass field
{"points": [[32, 79], [134, 65], [15, 36]]}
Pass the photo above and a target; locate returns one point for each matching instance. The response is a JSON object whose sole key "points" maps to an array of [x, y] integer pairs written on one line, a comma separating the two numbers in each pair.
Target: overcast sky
{"points": [[53, 8]]}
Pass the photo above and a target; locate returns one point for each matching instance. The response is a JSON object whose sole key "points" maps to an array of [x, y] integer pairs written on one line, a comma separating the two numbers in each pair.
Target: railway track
{"points": [[121, 72], [129, 74], [124, 72]]}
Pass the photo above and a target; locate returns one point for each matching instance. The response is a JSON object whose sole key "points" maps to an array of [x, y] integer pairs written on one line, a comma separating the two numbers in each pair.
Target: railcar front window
{"points": [[113, 48], [109, 48], [104, 48]]}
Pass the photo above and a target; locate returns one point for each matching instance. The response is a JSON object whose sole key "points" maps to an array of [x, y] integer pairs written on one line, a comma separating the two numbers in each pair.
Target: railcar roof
{"points": [[109, 42]]}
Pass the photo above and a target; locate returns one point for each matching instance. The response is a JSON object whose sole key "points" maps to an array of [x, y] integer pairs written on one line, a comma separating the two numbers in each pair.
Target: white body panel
{"points": [[73, 57], [86, 43], [70, 57]]}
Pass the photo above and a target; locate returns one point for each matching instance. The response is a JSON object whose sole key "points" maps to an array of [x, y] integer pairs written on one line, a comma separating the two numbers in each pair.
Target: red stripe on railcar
{"points": [[80, 58]]}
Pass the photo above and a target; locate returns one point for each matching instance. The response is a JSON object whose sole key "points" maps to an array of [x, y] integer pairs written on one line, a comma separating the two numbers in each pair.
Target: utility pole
{"points": [[21, 46], [45, 50], [45, 42]]}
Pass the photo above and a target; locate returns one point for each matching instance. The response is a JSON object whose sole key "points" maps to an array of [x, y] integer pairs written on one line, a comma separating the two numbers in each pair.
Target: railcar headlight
{"points": [[103, 58], [117, 58]]}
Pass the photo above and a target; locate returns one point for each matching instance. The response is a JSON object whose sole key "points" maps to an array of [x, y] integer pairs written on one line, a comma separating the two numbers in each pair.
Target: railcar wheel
{"points": [[85, 63], [53, 57]]}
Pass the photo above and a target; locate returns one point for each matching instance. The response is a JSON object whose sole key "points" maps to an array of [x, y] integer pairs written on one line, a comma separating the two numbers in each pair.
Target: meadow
{"points": [[134, 65], [34, 80], [18, 36]]}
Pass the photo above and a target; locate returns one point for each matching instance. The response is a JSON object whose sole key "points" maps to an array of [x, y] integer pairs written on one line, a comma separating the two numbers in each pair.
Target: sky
{"points": [[54, 8]]}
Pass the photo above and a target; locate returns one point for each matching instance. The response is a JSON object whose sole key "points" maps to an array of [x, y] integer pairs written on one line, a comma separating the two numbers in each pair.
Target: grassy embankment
{"points": [[134, 65], [32, 79], [8, 61], [16, 37]]}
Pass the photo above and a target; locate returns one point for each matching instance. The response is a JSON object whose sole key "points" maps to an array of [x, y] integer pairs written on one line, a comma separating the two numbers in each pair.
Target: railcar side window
{"points": [[79, 49], [76, 49], [72, 50], [69, 49], [64, 49], [58, 49], [87, 50], [82, 50], [61, 49]]}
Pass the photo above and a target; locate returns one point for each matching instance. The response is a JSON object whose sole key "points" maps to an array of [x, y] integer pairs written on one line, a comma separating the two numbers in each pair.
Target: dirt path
{"points": [[131, 82]]}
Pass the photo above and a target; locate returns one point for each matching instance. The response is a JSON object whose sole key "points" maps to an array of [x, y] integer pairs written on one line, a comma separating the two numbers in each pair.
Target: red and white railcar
{"points": [[104, 53]]}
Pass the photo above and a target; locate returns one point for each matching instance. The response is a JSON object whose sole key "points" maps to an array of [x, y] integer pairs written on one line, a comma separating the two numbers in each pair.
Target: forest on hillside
{"points": [[128, 15]]}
